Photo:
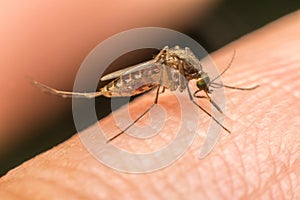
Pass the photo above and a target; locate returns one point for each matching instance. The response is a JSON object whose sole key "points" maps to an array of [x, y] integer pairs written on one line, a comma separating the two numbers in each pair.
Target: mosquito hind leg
{"points": [[137, 119], [66, 94]]}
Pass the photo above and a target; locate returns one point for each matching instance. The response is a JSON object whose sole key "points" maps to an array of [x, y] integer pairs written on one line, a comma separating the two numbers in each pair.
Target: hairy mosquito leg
{"points": [[218, 85], [210, 100], [194, 102], [137, 119], [66, 94]]}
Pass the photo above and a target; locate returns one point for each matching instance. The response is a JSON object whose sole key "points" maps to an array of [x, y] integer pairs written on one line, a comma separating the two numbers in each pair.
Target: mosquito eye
{"points": [[201, 83]]}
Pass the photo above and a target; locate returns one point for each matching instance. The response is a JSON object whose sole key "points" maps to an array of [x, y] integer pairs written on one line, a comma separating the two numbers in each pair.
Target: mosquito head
{"points": [[203, 81]]}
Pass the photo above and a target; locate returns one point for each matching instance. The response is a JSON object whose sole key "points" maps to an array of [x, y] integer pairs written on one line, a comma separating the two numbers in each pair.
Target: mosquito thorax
{"points": [[203, 81]]}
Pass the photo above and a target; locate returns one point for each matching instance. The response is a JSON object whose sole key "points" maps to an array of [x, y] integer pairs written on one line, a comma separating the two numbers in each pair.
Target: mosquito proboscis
{"points": [[171, 68]]}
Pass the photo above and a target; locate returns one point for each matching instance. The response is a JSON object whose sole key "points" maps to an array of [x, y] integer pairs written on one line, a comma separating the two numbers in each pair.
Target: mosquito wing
{"points": [[128, 70]]}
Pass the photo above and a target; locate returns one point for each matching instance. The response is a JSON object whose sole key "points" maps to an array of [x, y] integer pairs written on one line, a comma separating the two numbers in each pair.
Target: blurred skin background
{"points": [[48, 41]]}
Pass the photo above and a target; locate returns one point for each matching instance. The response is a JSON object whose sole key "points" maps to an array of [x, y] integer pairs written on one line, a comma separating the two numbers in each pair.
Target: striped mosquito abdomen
{"points": [[133, 83]]}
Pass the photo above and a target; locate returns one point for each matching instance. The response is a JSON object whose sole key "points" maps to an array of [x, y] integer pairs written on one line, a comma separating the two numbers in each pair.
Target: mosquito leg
{"points": [[194, 102], [233, 87], [163, 89], [210, 100], [66, 94], [214, 103], [137, 119], [157, 94]]}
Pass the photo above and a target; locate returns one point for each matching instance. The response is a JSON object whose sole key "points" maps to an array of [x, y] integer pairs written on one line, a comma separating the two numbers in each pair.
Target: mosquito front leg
{"points": [[194, 102], [137, 119], [210, 100]]}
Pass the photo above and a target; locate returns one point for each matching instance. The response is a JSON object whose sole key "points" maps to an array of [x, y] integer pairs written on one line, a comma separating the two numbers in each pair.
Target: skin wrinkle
{"points": [[203, 190], [195, 180], [278, 179], [168, 188], [192, 171], [129, 186], [254, 187], [221, 184], [85, 172], [132, 191], [87, 175], [237, 173], [41, 182], [257, 162], [294, 167], [10, 193], [240, 174], [170, 180], [275, 175], [289, 183], [214, 178], [185, 170], [120, 179], [295, 182], [124, 185], [288, 88], [274, 163], [247, 121], [155, 184], [281, 183], [158, 184], [72, 176], [228, 182]]}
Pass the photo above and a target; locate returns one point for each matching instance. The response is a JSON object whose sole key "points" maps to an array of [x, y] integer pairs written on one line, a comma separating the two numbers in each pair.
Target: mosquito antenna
{"points": [[225, 68]]}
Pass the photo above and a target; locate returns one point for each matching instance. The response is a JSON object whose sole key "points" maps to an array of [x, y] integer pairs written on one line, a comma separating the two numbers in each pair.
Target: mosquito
{"points": [[171, 68]]}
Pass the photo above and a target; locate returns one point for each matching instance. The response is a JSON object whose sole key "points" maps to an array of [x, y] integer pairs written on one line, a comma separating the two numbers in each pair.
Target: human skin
{"points": [[260, 159]]}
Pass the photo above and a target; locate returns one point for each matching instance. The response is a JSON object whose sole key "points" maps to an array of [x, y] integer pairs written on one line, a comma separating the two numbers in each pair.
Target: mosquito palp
{"points": [[218, 85], [171, 68]]}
